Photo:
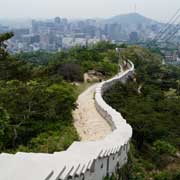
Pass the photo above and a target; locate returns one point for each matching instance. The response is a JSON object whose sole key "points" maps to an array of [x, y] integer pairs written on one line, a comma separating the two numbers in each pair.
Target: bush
{"points": [[176, 176], [162, 147], [71, 72], [162, 176], [58, 138]]}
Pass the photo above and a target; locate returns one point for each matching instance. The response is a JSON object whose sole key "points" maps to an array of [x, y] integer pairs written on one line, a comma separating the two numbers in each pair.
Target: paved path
{"points": [[88, 122]]}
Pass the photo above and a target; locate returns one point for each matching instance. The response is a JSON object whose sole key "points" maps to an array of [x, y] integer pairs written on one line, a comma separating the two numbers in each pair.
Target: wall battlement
{"points": [[91, 160]]}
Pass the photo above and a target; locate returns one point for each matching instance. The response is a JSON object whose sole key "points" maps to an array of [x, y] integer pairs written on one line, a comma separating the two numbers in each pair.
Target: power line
{"points": [[168, 25], [174, 33], [169, 22]]}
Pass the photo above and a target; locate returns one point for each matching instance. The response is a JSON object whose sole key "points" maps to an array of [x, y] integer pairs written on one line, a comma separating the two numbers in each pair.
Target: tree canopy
{"points": [[37, 94]]}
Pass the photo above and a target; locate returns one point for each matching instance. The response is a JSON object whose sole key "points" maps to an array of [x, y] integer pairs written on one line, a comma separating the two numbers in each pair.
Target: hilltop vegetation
{"points": [[150, 102], [35, 107], [38, 94]]}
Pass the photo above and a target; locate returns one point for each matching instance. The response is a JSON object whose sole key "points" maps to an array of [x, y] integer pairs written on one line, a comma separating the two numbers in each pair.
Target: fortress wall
{"points": [[91, 160]]}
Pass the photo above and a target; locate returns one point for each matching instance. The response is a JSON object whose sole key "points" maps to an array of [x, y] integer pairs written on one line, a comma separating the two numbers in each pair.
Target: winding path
{"points": [[86, 160], [89, 123]]}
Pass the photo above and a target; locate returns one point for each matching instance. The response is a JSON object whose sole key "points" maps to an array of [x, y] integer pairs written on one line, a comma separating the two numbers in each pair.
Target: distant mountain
{"points": [[131, 27], [132, 18]]}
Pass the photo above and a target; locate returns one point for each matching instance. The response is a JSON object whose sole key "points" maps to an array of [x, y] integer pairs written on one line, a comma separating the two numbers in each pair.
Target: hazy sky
{"points": [[157, 9]]}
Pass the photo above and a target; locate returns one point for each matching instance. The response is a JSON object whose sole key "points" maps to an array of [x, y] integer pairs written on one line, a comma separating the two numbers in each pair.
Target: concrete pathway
{"points": [[88, 122]]}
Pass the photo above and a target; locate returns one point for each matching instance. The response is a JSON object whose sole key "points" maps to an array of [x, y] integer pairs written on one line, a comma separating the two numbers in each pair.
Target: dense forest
{"points": [[38, 94], [150, 102]]}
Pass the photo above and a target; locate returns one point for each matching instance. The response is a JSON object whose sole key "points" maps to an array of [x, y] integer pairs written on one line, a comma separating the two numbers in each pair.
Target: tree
{"points": [[33, 106], [153, 113], [3, 39], [4, 125], [71, 71]]}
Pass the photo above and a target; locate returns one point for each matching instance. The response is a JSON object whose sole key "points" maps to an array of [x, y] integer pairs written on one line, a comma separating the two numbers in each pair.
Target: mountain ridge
{"points": [[131, 18]]}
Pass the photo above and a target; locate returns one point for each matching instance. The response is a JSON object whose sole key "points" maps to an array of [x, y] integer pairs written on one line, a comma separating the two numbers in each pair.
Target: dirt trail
{"points": [[88, 122]]}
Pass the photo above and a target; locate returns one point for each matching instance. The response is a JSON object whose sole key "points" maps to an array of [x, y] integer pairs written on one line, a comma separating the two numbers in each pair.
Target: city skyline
{"points": [[82, 9]]}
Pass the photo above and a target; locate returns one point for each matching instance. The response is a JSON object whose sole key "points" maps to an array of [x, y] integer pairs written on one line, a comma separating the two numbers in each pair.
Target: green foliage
{"points": [[112, 177], [176, 175], [58, 139], [36, 98], [150, 103], [33, 106], [107, 68], [3, 38], [104, 45], [37, 58], [162, 147], [4, 124], [72, 64], [70, 71], [162, 176]]}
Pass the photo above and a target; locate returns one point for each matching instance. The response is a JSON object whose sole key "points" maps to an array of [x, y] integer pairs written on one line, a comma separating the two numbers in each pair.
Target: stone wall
{"points": [[122, 132], [91, 160]]}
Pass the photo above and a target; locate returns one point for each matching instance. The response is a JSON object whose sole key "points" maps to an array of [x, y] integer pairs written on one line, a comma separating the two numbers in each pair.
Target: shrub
{"points": [[162, 147], [176, 176], [162, 176]]}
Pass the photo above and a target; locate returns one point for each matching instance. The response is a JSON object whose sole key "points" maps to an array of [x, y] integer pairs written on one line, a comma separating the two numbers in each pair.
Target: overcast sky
{"points": [[157, 9]]}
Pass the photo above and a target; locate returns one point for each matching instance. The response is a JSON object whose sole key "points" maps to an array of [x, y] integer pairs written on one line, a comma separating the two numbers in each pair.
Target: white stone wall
{"points": [[91, 160]]}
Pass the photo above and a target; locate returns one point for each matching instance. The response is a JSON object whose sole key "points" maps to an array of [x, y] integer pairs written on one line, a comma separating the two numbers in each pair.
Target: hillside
{"points": [[150, 103], [39, 92]]}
